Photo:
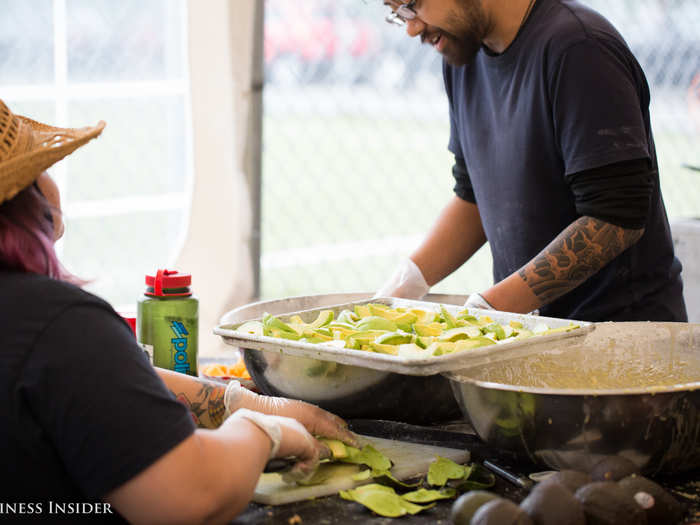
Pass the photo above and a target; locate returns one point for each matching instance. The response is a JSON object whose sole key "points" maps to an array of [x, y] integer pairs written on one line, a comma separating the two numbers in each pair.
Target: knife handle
{"points": [[278, 465]]}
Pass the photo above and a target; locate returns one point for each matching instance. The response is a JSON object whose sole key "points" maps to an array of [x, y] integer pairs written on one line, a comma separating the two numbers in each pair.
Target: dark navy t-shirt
{"points": [[565, 97]]}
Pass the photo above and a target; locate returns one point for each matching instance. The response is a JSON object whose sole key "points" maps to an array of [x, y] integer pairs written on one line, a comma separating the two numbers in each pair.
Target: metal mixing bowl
{"points": [[349, 391], [658, 428]]}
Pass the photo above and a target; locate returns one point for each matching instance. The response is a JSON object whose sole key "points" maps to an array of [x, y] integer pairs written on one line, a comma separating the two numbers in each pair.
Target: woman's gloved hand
{"points": [[289, 439], [316, 420], [406, 282]]}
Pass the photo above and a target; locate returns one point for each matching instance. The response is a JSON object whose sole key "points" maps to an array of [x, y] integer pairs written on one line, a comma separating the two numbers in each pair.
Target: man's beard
{"points": [[463, 39]]}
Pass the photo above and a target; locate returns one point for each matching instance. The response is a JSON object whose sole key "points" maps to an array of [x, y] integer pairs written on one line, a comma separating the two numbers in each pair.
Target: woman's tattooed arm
{"points": [[580, 251], [204, 399]]}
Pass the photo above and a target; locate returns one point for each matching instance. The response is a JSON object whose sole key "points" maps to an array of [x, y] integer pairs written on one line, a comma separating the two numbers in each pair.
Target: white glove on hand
{"points": [[289, 439], [476, 300], [316, 420], [406, 282]]}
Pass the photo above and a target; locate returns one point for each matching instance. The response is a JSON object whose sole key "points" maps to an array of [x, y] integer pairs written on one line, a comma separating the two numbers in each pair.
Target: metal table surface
{"points": [[333, 510]]}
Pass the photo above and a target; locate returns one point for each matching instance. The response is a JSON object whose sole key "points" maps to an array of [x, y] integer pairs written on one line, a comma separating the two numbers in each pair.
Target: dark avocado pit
{"points": [[613, 468], [658, 504], [501, 511], [552, 503], [464, 508], [605, 503]]}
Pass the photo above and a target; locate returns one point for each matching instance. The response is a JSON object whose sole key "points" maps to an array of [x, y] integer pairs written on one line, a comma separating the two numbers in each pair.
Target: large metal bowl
{"points": [[349, 391], [658, 428]]}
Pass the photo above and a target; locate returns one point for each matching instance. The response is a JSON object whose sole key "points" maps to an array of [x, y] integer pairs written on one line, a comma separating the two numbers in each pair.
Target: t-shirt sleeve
{"points": [[598, 118], [99, 400], [463, 185]]}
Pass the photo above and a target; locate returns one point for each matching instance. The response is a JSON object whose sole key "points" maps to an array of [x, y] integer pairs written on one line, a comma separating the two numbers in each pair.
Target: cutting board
{"points": [[410, 460]]}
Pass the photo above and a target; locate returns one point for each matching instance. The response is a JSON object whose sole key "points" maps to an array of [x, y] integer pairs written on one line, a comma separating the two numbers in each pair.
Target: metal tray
{"points": [[402, 365]]}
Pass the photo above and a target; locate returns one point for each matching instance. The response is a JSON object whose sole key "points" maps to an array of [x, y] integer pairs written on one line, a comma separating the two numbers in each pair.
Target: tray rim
{"points": [[408, 366]]}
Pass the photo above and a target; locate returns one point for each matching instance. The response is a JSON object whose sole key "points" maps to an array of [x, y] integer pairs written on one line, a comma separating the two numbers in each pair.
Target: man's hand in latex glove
{"points": [[288, 439], [407, 282], [476, 300], [317, 421]]}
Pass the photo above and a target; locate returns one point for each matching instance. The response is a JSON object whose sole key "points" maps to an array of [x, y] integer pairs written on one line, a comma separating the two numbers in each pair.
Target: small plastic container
{"points": [[167, 321]]}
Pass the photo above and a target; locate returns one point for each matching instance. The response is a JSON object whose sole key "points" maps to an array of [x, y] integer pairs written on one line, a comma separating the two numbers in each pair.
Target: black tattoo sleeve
{"points": [[581, 250]]}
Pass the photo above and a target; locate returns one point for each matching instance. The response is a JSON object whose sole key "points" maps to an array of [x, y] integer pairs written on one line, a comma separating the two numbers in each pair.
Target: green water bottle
{"points": [[167, 321]]}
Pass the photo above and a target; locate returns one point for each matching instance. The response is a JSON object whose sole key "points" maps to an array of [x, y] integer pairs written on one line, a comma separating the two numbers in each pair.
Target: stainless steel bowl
{"points": [[349, 391], [656, 427]]}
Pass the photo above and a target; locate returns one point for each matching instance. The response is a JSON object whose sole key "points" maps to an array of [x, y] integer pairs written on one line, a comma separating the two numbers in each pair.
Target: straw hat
{"points": [[27, 148]]}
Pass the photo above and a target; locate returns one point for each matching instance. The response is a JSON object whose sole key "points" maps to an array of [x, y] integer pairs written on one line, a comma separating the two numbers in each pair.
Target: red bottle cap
{"points": [[168, 283]]}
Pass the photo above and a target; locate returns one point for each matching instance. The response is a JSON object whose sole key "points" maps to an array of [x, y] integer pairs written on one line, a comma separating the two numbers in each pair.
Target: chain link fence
{"points": [[355, 160]]}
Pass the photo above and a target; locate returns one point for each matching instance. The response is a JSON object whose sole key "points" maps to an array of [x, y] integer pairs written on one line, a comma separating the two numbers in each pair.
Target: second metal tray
{"points": [[419, 366]]}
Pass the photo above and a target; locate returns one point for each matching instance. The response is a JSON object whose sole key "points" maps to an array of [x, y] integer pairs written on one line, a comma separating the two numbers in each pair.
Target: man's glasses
{"points": [[402, 13]]}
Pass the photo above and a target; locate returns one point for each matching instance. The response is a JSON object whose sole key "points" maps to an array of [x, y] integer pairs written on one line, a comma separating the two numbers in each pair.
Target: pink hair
{"points": [[26, 237]]}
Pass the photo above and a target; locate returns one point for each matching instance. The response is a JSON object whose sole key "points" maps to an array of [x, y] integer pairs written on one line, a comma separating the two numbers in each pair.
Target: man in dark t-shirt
{"points": [[555, 164]]}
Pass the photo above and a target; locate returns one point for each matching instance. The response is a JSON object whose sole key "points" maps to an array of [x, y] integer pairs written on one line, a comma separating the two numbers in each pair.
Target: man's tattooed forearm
{"points": [[580, 251]]}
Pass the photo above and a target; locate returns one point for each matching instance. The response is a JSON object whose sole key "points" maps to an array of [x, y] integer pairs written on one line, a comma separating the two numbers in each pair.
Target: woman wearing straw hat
{"points": [[84, 418]]}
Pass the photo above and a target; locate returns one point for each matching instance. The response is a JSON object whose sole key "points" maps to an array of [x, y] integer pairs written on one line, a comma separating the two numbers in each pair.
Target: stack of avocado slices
{"points": [[403, 332]]}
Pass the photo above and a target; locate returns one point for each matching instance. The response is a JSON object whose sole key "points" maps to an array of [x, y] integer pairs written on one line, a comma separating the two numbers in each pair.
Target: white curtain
{"points": [[217, 247]]}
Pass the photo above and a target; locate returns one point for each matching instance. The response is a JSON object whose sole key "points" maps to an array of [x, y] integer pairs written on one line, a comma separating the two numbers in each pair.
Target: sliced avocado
{"points": [[455, 334], [270, 322], [315, 337], [337, 448], [346, 316], [559, 330], [384, 348], [251, 327], [394, 338], [424, 316], [449, 319], [324, 317], [293, 336], [424, 341], [495, 329], [428, 329], [437, 348], [362, 310], [412, 350], [374, 322], [468, 344]]}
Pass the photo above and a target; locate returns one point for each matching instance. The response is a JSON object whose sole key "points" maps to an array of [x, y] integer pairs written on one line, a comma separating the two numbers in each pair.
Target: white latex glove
{"points": [[406, 282], [476, 300], [316, 420], [289, 439]]}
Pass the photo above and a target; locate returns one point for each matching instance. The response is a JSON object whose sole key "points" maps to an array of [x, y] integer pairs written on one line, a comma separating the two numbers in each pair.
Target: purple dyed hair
{"points": [[26, 237]]}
